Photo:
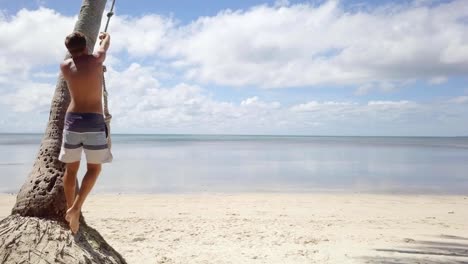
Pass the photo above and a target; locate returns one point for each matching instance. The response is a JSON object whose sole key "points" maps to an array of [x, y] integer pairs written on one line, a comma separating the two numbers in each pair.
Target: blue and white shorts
{"points": [[85, 131]]}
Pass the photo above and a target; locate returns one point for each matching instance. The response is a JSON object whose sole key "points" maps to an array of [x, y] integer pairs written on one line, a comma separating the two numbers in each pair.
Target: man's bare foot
{"points": [[73, 218]]}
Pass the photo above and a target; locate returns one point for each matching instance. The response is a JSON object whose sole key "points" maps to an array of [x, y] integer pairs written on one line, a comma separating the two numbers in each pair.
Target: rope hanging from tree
{"points": [[107, 115]]}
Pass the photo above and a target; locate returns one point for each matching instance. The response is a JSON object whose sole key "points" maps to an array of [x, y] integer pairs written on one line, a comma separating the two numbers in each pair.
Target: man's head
{"points": [[76, 44]]}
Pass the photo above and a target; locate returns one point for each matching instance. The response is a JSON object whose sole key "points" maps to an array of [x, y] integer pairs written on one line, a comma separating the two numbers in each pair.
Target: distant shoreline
{"points": [[395, 192], [257, 135]]}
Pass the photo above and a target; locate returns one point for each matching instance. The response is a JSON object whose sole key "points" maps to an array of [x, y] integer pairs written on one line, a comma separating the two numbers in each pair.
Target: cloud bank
{"points": [[161, 71]]}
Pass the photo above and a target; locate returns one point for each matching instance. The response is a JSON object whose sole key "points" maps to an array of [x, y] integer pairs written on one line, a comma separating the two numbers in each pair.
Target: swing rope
{"points": [[107, 115]]}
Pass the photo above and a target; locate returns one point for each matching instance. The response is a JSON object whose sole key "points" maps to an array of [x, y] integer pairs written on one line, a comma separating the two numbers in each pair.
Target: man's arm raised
{"points": [[103, 46]]}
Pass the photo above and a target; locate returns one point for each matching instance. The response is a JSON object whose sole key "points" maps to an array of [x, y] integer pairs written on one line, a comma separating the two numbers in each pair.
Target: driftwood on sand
{"points": [[36, 231]]}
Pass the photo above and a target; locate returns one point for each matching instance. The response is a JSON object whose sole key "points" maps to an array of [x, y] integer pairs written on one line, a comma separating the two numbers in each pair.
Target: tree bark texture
{"points": [[44, 241]]}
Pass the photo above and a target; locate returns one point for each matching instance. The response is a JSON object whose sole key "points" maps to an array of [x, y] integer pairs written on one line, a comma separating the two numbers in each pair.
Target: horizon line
{"points": [[257, 135]]}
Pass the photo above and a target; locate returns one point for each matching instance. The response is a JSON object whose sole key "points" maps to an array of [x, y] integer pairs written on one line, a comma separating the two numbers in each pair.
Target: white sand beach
{"points": [[280, 228]]}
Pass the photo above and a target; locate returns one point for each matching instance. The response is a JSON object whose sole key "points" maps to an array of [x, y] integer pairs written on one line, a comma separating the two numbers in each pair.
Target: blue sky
{"points": [[253, 67], [184, 10]]}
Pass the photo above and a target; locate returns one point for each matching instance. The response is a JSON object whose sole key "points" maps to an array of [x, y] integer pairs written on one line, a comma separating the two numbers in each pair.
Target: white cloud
{"points": [[306, 45], [140, 36], [257, 103], [139, 100], [281, 3], [392, 104], [438, 80], [33, 38], [460, 100], [282, 45], [317, 106], [364, 89], [359, 115], [45, 75], [29, 97]]}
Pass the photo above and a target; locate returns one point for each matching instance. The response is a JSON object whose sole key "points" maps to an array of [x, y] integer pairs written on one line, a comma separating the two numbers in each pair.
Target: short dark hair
{"points": [[75, 42]]}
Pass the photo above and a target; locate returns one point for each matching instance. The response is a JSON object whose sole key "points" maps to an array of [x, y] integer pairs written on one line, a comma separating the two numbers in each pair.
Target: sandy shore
{"points": [[280, 228]]}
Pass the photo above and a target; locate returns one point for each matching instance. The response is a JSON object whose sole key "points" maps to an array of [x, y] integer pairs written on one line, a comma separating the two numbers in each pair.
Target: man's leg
{"points": [[69, 182], [86, 186]]}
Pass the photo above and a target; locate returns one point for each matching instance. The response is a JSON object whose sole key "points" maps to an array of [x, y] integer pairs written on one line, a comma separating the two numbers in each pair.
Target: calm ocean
{"points": [[197, 163]]}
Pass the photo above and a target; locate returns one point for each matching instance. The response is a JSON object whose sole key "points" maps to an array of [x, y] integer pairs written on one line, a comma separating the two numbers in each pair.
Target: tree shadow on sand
{"points": [[443, 250]]}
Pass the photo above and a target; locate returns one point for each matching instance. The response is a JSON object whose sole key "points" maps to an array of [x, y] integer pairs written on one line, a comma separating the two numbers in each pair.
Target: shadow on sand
{"points": [[443, 250]]}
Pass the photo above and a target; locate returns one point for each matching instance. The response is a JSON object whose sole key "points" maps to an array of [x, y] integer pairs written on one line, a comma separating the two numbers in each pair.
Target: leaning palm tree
{"points": [[36, 231]]}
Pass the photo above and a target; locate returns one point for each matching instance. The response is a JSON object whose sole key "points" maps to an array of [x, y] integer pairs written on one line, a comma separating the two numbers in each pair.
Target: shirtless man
{"points": [[84, 122]]}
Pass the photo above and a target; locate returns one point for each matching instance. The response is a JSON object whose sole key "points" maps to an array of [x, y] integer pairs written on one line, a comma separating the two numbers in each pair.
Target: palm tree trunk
{"points": [[36, 231]]}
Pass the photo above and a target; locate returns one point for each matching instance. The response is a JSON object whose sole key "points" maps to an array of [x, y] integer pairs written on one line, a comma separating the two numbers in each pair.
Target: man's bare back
{"points": [[83, 74], [84, 79]]}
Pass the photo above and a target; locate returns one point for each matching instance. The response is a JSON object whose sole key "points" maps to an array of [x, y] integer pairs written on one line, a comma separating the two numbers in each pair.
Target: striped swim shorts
{"points": [[85, 131]]}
